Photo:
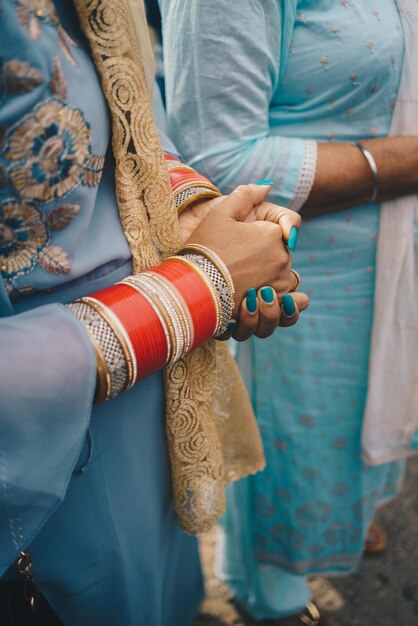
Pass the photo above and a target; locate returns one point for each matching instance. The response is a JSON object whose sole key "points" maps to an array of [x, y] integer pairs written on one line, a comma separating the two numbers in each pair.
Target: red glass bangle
{"points": [[196, 296], [171, 157], [141, 323], [179, 178], [139, 327]]}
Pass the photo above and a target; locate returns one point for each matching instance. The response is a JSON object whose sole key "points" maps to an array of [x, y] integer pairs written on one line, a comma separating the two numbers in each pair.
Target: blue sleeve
{"points": [[161, 122], [47, 381], [222, 69]]}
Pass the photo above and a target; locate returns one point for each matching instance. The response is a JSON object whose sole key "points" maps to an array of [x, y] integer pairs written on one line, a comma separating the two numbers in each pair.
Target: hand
{"points": [[270, 313], [254, 251], [190, 219], [266, 212]]}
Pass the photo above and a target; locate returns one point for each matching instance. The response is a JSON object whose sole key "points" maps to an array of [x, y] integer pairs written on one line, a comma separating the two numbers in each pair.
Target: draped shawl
{"points": [[211, 429]]}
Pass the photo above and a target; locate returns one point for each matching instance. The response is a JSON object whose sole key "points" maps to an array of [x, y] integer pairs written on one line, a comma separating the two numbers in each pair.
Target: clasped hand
{"points": [[250, 236]]}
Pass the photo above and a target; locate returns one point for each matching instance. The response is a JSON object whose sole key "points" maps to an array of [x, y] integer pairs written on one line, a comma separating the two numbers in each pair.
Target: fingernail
{"points": [[293, 238], [251, 301], [265, 182], [231, 326], [267, 294], [289, 307]]}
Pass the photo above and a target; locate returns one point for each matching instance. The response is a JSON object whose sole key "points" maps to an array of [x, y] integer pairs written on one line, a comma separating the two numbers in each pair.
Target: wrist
{"points": [[188, 186], [152, 319]]}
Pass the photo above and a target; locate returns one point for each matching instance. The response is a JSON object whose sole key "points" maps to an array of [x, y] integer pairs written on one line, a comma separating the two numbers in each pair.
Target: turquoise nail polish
{"points": [[289, 307], [231, 327], [265, 182], [267, 294], [251, 301], [293, 238]]}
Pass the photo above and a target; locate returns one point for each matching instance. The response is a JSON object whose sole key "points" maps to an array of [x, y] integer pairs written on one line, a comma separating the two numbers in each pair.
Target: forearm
{"points": [[344, 179], [154, 318]]}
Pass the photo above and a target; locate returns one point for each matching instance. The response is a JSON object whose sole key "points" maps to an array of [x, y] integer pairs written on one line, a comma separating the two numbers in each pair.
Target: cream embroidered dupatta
{"points": [[391, 417], [211, 430]]}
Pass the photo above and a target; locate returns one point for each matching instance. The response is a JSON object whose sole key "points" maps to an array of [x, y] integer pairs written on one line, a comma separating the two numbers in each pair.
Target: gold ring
{"points": [[298, 280]]}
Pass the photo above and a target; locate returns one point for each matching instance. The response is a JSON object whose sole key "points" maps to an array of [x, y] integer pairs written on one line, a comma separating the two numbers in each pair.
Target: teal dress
{"points": [[266, 80], [86, 489]]}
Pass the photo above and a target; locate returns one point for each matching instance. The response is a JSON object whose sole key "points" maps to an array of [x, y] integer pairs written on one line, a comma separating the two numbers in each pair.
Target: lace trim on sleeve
{"points": [[307, 176]]}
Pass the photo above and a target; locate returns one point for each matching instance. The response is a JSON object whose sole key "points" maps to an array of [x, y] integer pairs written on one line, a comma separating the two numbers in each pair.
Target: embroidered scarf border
{"points": [[211, 430]]}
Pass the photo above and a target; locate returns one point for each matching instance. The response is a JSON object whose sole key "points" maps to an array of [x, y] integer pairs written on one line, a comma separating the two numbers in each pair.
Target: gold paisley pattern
{"points": [[211, 430]]}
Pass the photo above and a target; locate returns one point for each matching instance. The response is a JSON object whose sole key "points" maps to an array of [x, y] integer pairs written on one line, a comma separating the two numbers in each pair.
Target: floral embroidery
{"points": [[18, 77], [51, 152], [25, 237], [93, 171], [324, 62], [23, 234], [370, 45], [53, 259], [58, 84], [59, 218], [32, 13]]}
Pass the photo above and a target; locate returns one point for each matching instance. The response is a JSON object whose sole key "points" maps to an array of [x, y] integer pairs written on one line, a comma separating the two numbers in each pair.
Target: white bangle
{"points": [[372, 163]]}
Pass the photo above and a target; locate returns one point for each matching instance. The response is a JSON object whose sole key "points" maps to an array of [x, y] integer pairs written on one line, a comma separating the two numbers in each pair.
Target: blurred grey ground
{"points": [[383, 592]]}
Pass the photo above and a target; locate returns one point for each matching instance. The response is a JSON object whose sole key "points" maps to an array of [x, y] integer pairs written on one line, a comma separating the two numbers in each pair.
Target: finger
{"points": [[269, 312], [242, 200], [248, 317], [289, 220], [301, 299], [292, 304]]}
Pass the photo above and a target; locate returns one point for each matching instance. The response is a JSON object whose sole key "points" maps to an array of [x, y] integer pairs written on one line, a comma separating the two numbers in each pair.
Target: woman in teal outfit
{"points": [[282, 89], [86, 488]]}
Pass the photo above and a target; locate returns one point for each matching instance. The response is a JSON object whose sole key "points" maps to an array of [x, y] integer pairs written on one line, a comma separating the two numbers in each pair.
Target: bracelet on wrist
{"points": [[153, 318], [373, 167], [187, 185]]}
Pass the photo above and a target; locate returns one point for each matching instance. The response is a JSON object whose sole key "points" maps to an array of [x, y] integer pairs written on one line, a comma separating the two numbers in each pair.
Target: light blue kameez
{"points": [[86, 489], [247, 89]]}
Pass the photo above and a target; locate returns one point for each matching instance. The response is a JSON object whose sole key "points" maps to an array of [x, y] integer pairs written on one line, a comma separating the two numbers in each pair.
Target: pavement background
{"points": [[383, 592]]}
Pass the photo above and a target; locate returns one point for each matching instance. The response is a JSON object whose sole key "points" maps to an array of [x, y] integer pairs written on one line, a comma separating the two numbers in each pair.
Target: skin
{"points": [[343, 177], [244, 230]]}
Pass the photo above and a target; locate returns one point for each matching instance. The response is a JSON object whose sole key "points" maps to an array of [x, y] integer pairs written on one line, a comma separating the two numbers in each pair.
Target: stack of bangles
{"points": [[153, 318], [187, 185]]}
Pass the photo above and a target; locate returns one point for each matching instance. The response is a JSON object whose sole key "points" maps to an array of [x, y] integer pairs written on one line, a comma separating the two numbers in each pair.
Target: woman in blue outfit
{"points": [[87, 489], [283, 90]]}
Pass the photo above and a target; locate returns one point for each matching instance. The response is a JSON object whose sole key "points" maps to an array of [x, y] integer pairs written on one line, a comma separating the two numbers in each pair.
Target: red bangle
{"points": [[178, 178], [159, 315], [170, 157], [196, 295], [142, 325]]}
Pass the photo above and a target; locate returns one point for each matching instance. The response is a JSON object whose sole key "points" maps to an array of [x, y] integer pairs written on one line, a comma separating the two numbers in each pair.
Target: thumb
{"points": [[290, 221], [243, 199]]}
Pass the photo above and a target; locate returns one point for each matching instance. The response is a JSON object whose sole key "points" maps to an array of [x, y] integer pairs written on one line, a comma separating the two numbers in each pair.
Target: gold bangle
{"points": [[210, 286], [181, 330], [215, 260], [176, 301], [135, 282], [120, 333], [103, 380], [198, 197]]}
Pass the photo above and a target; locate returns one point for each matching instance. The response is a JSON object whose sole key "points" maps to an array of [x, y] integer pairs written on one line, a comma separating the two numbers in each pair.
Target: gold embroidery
{"points": [[208, 442], [32, 13], [58, 84], [20, 77]]}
